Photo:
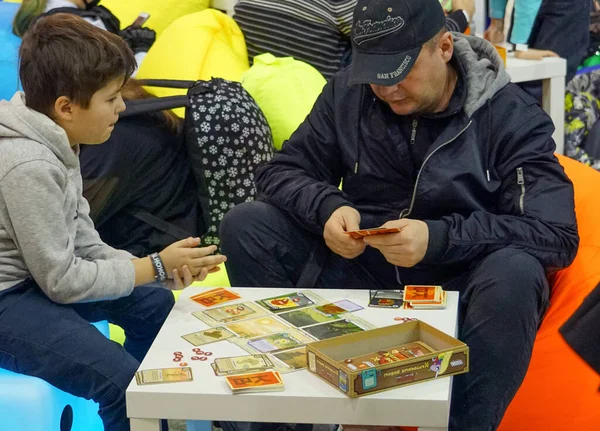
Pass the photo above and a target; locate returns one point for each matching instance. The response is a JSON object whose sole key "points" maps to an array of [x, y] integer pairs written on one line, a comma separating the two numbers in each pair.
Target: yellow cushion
{"points": [[285, 89], [218, 279], [196, 47], [162, 12]]}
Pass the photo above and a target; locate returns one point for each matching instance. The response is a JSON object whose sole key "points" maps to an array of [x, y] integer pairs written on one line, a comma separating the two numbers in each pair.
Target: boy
{"points": [[56, 275]]}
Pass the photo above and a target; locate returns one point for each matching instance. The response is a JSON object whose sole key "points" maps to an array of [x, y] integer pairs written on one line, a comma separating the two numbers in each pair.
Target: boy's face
{"points": [[94, 124]]}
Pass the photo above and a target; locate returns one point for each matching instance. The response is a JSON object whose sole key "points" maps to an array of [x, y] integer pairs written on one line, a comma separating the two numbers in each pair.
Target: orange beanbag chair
{"points": [[560, 391]]}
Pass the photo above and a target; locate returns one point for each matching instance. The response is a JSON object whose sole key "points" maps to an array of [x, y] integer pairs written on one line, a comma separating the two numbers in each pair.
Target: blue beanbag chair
{"points": [[9, 54]]}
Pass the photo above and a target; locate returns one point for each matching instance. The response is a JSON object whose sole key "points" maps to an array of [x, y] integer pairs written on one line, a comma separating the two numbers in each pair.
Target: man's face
{"points": [[95, 124], [423, 88]]}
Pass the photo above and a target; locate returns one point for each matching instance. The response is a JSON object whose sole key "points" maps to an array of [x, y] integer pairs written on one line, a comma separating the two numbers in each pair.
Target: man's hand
{"points": [[466, 5], [495, 32], [343, 219], [534, 54], [405, 248]]}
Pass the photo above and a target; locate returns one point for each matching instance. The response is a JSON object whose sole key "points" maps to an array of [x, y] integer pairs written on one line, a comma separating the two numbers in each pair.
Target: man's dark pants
{"points": [[502, 299], [57, 343]]}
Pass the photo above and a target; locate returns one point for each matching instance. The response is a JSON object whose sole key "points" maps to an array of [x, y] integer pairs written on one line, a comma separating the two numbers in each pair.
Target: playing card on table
{"points": [[386, 298], [415, 294], [255, 382], [215, 297], [241, 364], [164, 375]]}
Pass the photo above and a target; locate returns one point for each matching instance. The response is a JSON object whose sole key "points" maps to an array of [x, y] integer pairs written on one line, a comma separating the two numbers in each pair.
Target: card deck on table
{"points": [[215, 297], [358, 234], [208, 336], [164, 375], [255, 382], [428, 305], [339, 307], [277, 304], [415, 294], [386, 298], [241, 364]]}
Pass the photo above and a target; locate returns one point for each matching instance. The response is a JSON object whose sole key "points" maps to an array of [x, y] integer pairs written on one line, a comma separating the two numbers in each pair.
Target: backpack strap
{"points": [[160, 224], [166, 83], [145, 106]]}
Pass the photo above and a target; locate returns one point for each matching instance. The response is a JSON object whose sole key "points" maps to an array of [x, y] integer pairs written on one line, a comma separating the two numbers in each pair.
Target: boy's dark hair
{"points": [[64, 55]]}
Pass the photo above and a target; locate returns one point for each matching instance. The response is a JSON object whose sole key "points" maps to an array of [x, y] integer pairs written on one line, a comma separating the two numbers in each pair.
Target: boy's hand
{"points": [[405, 248], [185, 253], [466, 5], [343, 219]]}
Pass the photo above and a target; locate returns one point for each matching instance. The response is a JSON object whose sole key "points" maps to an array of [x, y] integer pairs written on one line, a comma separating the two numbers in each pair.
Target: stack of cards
{"points": [[241, 364], [424, 298], [385, 298], [214, 297], [255, 382]]}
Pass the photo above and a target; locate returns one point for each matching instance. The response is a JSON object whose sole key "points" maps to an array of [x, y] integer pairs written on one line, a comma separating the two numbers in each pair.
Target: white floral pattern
{"points": [[240, 141]]}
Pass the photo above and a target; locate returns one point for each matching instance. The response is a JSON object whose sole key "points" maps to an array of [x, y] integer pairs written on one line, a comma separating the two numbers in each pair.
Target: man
{"points": [[427, 135]]}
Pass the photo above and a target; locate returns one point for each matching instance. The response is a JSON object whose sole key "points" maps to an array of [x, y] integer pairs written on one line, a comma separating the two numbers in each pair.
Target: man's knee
{"points": [[249, 218], [159, 302], [510, 275]]}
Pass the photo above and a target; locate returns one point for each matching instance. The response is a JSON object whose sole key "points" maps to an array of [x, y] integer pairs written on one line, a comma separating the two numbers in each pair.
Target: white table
{"points": [[306, 399], [552, 72]]}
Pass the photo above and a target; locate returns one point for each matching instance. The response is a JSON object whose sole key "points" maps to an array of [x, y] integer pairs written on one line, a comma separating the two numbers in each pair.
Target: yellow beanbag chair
{"points": [[199, 46], [162, 12], [285, 89]]}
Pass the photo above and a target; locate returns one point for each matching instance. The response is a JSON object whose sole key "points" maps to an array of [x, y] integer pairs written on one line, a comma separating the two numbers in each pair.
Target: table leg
{"points": [[145, 424], [553, 100]]}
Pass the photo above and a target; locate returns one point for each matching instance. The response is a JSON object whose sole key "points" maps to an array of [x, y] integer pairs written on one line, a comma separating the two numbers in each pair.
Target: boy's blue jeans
{"points": [[56, 342]]}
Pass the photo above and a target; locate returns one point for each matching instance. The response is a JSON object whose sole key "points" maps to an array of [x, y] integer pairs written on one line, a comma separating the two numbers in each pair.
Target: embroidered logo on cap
{"points": [[369, 30], [396, 73]]}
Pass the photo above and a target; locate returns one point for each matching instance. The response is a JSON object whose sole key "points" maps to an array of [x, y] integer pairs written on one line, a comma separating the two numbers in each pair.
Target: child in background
{"points": [[56, 275], [139, 39]]}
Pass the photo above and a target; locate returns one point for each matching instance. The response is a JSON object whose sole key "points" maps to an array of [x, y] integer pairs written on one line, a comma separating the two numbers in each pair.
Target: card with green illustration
{"points": [[307, 316], [279, 341], [208, 336], [337, 328], [295, 359]]}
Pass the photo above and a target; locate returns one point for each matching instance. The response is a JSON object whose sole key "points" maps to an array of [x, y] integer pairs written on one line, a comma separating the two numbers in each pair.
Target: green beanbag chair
{"points": [[285, 90]]}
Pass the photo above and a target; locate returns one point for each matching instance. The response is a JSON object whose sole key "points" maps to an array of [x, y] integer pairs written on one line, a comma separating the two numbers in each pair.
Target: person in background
{"points": [[544, 28], [139, 39], [56, 275], [316, 32]]}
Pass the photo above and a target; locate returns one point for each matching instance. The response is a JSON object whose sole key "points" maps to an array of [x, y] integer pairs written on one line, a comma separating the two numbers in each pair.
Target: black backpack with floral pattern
{"points": [[227, 138]]}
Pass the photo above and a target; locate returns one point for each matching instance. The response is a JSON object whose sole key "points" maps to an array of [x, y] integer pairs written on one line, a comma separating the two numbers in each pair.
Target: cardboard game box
{"points": [[380, 359]]}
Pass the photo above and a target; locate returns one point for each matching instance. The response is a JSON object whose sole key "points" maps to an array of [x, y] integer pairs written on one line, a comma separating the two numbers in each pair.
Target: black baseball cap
{"points": [[387, 37]]}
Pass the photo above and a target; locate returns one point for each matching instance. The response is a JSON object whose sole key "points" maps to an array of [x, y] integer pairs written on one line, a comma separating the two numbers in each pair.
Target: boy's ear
{"points": [[63, 109]]}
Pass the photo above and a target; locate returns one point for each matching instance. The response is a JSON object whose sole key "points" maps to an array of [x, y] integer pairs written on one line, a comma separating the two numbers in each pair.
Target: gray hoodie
{"points": [[45, 229]]}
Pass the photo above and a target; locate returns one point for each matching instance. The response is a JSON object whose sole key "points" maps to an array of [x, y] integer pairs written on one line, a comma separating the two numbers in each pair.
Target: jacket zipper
{"points": [[405, 212], [413, 135], [521, 182]]}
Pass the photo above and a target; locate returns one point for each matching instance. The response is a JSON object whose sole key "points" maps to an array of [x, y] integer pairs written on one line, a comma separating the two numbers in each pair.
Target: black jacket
{"points": [[489, 178]]}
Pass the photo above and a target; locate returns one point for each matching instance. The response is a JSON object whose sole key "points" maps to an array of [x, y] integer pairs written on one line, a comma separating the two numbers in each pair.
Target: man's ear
{"points": [[447, 46], [63, 109]]}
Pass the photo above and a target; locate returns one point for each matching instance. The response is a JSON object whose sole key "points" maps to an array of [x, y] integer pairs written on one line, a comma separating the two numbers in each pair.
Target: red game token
{"points": [[183, 364], [195, 358], [176, 359], [198, 351], [207, 353], [177, 353], [348, 361], [202, 358]]}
